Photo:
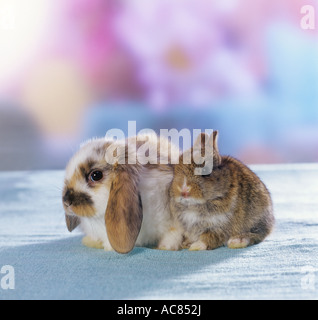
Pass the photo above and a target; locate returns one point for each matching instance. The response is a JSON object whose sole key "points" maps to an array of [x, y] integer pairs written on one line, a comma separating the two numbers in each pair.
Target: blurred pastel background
{"points": [[73, 69]]}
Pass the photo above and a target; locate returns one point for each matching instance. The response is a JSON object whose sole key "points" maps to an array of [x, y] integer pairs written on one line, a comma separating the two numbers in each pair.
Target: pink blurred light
{"points": [[187, 51]]}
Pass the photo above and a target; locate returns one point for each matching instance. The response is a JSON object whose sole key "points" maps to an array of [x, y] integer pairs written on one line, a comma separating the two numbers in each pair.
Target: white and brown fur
{"points": [[231, 206], [129, 206]]}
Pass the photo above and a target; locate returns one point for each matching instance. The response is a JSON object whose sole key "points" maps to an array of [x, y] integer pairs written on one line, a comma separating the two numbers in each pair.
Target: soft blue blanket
{"points": [[50, 263]]}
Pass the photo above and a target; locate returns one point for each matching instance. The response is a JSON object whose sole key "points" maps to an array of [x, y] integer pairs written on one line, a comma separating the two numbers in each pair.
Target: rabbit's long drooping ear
{"points": [[123, 216]]}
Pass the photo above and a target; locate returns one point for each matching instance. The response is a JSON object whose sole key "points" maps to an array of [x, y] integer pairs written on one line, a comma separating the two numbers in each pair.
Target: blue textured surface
{"points": [[50, 263]]}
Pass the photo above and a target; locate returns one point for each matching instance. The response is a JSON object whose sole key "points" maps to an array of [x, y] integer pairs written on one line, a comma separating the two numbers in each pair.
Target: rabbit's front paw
{"points": [[238, 242], [171, 240], [198, 246], [90, 243]]}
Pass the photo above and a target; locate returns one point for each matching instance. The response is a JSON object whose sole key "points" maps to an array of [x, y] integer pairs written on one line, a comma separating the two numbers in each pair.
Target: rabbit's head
{"points": [[191, 186], [94, 187]]}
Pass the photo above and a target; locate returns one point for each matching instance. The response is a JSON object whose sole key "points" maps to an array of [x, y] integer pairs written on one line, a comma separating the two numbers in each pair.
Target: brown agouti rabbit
{"points": [[231, 206]]}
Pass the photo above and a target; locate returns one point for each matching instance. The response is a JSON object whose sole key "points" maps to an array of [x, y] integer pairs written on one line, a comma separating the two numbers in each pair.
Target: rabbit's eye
{"points": [[96, 176]]}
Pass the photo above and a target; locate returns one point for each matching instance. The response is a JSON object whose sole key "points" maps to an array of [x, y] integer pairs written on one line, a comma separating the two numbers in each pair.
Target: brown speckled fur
{"points": [[231, 190], [123, 216]]}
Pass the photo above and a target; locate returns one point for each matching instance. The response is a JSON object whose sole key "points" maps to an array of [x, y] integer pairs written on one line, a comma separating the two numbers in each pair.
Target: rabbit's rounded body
{"points": [[128, 204], [231, 206], [154, 186]]}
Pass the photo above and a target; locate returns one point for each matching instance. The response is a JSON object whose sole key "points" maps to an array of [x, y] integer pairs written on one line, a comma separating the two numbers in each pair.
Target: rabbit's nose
{"points": [[67, 203], [185, 194], [68, 198], [185, 191]]}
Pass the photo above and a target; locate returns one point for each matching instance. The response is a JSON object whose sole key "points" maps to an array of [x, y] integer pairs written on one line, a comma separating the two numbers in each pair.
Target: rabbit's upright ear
{"points": [[123, 216], [217, 159], [200, 143], [215, 138]]}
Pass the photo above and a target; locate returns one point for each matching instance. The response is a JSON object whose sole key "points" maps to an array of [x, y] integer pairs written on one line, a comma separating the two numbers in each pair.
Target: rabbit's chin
{"points": [[189, 201]]}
